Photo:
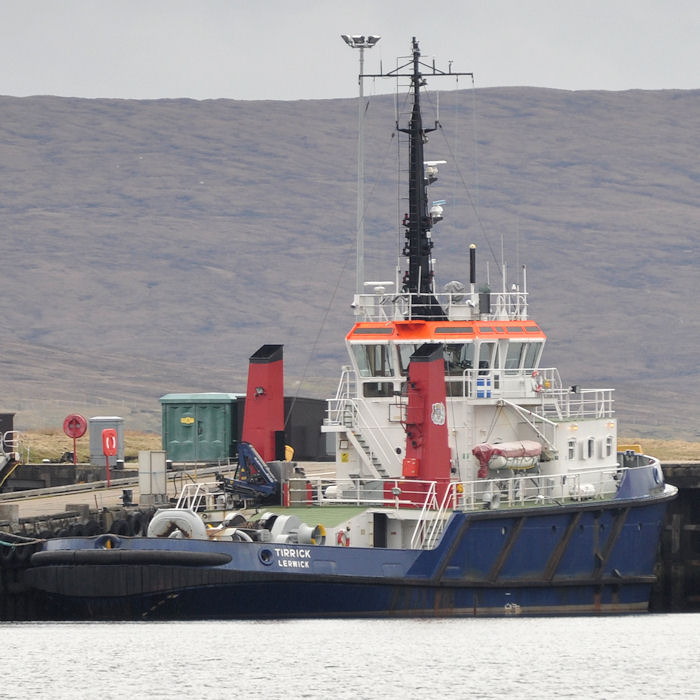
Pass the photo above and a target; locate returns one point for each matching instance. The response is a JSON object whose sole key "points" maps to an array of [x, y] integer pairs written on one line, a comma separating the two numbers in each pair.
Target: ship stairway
{"points": [[431, 521], [360, 444]]}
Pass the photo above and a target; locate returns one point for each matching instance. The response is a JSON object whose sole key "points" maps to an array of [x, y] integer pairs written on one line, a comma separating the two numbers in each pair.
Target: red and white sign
{"points": [[74, 426], [109, 442]]}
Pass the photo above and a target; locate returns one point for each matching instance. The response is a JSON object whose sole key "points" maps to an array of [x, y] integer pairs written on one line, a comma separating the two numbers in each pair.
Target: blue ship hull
{"points": [[579, 559]]}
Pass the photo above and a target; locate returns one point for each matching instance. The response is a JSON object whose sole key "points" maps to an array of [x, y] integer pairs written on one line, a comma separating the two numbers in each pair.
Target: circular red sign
{"points": [[75, 425]]}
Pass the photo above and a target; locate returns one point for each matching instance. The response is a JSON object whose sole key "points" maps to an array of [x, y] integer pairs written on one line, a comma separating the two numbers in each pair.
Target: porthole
{"points": [[265, 556]]}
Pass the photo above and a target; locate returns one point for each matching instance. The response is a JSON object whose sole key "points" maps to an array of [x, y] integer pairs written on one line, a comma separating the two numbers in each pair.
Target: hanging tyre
{"points": [[120, 527], [23, 553], [92, 528], [7, 553], [136, 524]]}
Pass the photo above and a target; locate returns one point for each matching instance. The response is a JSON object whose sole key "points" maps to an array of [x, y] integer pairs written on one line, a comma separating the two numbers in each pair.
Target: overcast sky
{"points": [[291, 49]]}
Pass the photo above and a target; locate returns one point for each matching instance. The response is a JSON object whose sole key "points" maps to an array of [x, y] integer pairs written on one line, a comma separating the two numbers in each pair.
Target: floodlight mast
{"points": [[418, 279], [361, 42]]}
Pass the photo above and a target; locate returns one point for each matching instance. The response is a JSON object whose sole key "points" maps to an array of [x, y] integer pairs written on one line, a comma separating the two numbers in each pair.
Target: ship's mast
{"points": [[418, 278]]}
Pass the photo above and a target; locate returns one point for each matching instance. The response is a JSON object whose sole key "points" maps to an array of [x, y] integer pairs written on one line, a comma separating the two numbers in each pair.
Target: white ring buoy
{"points": [[343, 539]]}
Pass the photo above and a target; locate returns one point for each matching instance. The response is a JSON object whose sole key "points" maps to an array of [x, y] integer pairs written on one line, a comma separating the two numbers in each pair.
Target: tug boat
{"points": [[469, 480]]}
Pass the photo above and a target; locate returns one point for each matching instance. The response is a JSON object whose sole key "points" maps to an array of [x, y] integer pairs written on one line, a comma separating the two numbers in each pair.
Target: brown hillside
{"points": [[152, 246]]}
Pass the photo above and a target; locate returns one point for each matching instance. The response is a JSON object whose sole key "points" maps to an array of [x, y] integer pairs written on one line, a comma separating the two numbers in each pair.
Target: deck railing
{"points": [[526, 490], [542, 386], [381, 305]]}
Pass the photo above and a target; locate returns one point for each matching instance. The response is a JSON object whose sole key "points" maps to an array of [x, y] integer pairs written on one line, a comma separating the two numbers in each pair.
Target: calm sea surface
{"points": [[613, 657]]}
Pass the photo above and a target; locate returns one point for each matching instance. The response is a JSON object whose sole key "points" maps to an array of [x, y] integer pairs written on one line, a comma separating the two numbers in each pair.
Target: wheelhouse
{"points": [[480, 357]]}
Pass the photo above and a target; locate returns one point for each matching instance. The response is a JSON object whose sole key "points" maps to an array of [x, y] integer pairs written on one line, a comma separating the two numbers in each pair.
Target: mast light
{"points": [[360, 41]]}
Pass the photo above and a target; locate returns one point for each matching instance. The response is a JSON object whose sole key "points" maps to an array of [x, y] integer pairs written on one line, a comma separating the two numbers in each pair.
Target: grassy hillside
{"points": [[152, 246]]}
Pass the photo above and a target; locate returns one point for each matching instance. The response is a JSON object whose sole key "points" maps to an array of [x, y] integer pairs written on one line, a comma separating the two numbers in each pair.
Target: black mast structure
{"points": [[418, 278]]}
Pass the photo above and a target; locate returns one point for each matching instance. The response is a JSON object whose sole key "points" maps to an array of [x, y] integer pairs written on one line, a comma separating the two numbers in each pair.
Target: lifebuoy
{"points": [[109, 442], [343, 539]]}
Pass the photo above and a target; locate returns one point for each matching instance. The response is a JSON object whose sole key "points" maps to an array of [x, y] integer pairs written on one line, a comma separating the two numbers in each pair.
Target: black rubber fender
{"points": [[92, 528], [136, 524], [143, 557], [76, 530], [7, 553], [23, 552], [120, 527]]}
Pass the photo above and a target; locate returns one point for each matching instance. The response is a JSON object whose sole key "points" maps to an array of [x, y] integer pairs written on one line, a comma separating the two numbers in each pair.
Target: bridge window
{"points": [[458, 358], [514, 356], [532, 355], [373, 360], [486, 357], [377, 389], [405, 352], [521, 355]]}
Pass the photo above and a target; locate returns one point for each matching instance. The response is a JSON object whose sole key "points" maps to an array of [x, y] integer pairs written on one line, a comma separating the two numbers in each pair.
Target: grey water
{"points": [[644, 656]]}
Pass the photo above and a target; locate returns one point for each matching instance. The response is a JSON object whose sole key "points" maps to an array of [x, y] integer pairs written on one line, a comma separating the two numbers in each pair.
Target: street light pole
{"points": [[361, 42]]}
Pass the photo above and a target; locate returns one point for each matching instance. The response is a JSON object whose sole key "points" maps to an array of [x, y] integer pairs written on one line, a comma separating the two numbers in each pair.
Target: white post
{"points": [[361, 42], [360, 222]]}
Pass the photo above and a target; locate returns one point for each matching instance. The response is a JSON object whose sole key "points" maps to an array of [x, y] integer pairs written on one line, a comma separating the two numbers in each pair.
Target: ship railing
{"points": [[489, 383], [337, 406], [574, 403], [196, 496], [380, 305], [520, 491], [557, 402], [386, 493], [535, 489], [432, 514]]}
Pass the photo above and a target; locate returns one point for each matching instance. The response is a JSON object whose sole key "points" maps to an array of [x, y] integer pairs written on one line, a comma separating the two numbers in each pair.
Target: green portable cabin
{"points": [[200, 427]]}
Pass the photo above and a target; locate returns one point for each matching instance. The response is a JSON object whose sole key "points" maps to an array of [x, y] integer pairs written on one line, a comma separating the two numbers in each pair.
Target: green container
{"points": [[200, 427]]}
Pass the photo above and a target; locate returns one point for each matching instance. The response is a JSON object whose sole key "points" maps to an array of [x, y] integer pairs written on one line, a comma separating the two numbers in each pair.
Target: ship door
{"points": [[381, 528]]}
